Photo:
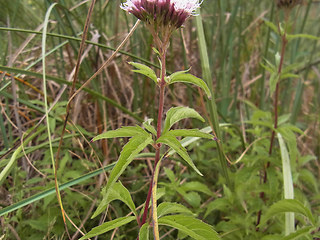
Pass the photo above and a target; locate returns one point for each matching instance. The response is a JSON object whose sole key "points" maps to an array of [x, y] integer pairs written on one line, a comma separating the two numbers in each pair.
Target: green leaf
{"points": [[191, 226], [287, 205], [105, 227], [147, 125], [118, 192], [135, 145], [190, 133], [274, 78], [307, 36], [172, 142], [144, 232], [176, 114], [289, 75], [166, 208], [287, 183], [272, 26], [129, 131], [189, 78], [144, 70], [299, 233], [196, 186]]}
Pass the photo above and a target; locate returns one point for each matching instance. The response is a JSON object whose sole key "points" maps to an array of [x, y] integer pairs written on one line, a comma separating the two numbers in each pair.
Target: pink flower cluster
{"points": [[171, 13]]}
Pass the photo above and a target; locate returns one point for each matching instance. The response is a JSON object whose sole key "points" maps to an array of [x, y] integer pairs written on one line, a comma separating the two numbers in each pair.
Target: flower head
{"points": [[288, 4], [162, 13]]}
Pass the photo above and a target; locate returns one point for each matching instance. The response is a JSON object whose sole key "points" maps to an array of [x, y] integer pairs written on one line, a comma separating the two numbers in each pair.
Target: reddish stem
{"points": [[162, 85], [276, 100]]}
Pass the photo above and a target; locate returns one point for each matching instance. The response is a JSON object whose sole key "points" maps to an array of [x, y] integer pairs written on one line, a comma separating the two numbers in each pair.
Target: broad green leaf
{"points": [[190, 133], [118, 192], [144, 70], [176, 114], [191, 226], [105, 227], [287, 205], [302, 35], [172, 142], [299, 233], [149, 127], [189, 78], [144, 232], [129, 131], [166, 208], [135, 145]]}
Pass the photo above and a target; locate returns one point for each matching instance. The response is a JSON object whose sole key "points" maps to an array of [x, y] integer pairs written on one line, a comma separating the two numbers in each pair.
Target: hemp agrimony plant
{"points": [[162, 18]]}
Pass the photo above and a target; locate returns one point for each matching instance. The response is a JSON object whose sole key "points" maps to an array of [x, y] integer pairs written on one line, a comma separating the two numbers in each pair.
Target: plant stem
{"points": [[276, 103], [162, 85]]}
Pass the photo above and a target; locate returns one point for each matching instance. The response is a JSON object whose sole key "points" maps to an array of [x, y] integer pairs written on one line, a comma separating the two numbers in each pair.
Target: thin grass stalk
{"points": [[44, 37], [211, 105]]}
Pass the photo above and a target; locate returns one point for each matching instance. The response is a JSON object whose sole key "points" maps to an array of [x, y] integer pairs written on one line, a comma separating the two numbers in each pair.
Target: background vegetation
{"points": [[238, 44]]}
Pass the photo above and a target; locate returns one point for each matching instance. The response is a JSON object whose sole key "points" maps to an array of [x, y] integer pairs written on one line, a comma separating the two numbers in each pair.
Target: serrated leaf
{"points": [[105, 227], [135, 145], [191, 226], [176, 114], [190, 133], [172, 142], [149, 127], [118, 192], [144, 232], [189, 78], [144, 70], [129, 131], [287, 205], [166, 208]]}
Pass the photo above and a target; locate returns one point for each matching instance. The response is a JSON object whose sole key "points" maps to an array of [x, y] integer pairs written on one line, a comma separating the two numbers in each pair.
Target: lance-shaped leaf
{"points": [[176, 114], [166, 208], [105, 227], [135, 145], [144, 70], [191, 226], [190, 133], [129, 131], [287, 205], [172, 142], [189, 78], [118, 192]]}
